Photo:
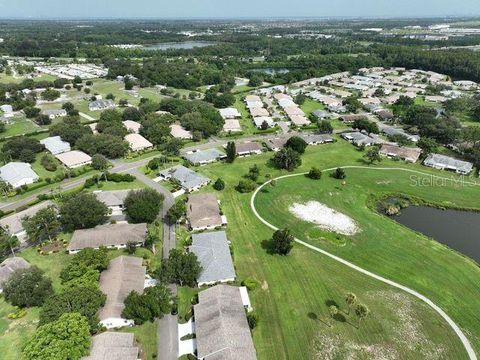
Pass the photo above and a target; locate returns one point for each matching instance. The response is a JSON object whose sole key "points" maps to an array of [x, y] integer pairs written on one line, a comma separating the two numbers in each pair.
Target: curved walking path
{"points": [[443, 314]]}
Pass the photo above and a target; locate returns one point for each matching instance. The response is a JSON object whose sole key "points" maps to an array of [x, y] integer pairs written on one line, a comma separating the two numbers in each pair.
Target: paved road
{"points": [[468, 347], [167, 337]]}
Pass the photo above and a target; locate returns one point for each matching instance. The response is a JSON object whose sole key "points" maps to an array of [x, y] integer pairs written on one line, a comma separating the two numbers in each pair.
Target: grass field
{"points": [[19, 126], [294, 292]]}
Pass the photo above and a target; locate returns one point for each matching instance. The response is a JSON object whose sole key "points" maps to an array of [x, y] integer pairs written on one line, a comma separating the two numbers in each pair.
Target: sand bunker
{"points": [[324, 217]]}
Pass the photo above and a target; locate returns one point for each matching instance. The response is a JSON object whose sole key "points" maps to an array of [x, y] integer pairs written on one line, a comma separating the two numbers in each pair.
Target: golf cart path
{"points": [[443, 314]]}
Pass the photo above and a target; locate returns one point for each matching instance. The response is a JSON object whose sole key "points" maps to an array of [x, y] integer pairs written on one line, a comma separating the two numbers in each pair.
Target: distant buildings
{"points": [[52, 114], [359, 139], [18, 174], [101, 105], [443, 162], [404, 153]]}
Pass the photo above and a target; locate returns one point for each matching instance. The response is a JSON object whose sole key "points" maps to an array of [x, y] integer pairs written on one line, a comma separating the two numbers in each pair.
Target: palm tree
{"points": [[362, 312], [333, 311], [351, 300]]}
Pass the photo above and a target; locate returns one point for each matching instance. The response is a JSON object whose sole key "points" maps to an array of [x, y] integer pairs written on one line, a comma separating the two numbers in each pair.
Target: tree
{"points": [[43, 120], [361, 311], [282, 242], [219, 185], [180, 268], [82, 211], [339, 174], [231, 152], [111, 146], [83, 261], [66, 338], [255, 80], [173, 146], [176, 212], [333, 310], [156, 129], [100, 163], [300, 99], [131, 247], [351, 300], [83, 300], [7, 243], [50, 94], [254, 172], [368, 126], [152, 304], [372, 155], [264, 125], [404, 101], [245, 186], [428, 145], [287, 159], [31, 112], [297, 143], [143, 205], [325, 127], [42, 226], [70, 130], [22, 148], [27, 287], [352, 104], [315, 173], [133, 114]]}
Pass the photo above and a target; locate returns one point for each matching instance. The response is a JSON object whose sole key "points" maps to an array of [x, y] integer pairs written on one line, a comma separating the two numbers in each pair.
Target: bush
{"points": [[297, 144], [115, 177], [27, 287], [17, 314], [246, 186], [250, 284], [315, 173], [219, 185], [252, 319], [339, 174], [143, 205], [49, 162]]}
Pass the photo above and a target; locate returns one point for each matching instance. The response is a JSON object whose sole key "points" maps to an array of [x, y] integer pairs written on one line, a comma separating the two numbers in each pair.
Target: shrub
{"points": [[219, 185], [339, 174], [252, 319], [315, 173], [250, 284], [49, 162], [246, 186]]}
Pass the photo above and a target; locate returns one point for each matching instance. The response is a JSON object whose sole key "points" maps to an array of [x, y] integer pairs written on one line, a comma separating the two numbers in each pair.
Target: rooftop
{"points": [[55, 145], [8, 266], [203, 211], [113, 346], [14, 222], [15, 172], [74, 158], [187, 178]]}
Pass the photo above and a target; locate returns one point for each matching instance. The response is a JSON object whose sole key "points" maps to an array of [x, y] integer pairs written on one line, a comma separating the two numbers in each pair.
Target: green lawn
{"points": [[146, 336], [294, 292], [310, 106], [19, 126]]}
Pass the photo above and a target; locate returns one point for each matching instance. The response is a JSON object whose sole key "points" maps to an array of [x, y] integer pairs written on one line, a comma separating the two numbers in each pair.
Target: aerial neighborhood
{"points": [[239, 190]]}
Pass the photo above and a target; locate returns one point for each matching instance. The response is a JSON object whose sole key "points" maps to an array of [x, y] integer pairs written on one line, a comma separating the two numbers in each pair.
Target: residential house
{"points": [[202, 157], [55, 145], [358, 138], [74, 159], [317, 139], [229, 113], [9, 266], [384, 115], [18, 174], [392, 131], [299, 120], [123, 275], [252, 98], [258, 112], [114, 200], [178, 132], [137, 142], [213, 252], [13, 224], [113, 236], [188, 179], [132, 126], [443, 162], [254, 105], [248, 148], [101, 104], [350, 119], [400, 152], [232, 125], [113, 346], [54, 113], [222, 330], [203, 212], [321, 114], [276, 144], [259, 121]]}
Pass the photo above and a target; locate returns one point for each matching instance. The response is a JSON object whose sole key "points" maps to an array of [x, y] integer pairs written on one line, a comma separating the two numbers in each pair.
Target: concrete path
{"points": [[88, 117], [167, 337], [468, 347]]}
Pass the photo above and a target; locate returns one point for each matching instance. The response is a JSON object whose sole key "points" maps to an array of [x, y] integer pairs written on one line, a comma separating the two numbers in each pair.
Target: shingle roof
{"points": [[14, 222], [221, 325], [203, 211], [73, 158], [55, 145], [213, 253], [108, 235], [123, 275], [411, 154], [204, 156], [113, 346], [446, 162], [137, 142], [317, 138], [187, 178], [179, 132], [232, 125], [112, 198], [15, 172], [8, 266], [247, 147], [132, 126]]}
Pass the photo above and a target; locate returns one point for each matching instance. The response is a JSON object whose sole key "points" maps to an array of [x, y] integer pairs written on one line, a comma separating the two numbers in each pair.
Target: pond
{"points": [[185, 45], [460, 230]]}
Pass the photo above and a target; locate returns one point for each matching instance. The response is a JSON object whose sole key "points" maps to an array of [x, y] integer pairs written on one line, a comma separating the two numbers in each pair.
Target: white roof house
{"points": [[259, 111], [55, 145], [263, 119], [17, 174], [54, 113], [132, 126], [74, 159], [229, 113], [178, 132], [443, 162], [101, 105], [137, 142]]}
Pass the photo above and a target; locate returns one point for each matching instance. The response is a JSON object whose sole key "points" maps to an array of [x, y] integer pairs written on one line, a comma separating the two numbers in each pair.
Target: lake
{"points": [[185, 45], [460, 230]]}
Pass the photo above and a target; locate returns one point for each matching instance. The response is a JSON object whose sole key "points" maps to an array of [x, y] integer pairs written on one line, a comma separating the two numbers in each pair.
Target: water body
{"points": [[271, 71], [185, 45], [460, 230]]}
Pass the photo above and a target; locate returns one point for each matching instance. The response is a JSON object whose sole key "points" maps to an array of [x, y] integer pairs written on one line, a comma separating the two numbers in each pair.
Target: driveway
{"points": [[167, 338], [186, 346]]}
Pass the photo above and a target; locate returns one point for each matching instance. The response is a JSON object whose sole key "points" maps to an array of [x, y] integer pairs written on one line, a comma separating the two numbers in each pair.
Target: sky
{"points": [[84, 9]]}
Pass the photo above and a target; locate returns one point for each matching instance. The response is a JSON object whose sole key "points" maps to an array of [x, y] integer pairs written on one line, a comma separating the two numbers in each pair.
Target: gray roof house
{"points": [[111, 236], [13, 223], [321, 114], [113, 199], [213, 253], [357, 138], [8, 266], [404, 153], [101, 105], [123, 275], [18, 174], [54, 113], [55, 145], [316, 139], [443, 162], [202, 157], [113, 346], [222, 331], [188, 179]]}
